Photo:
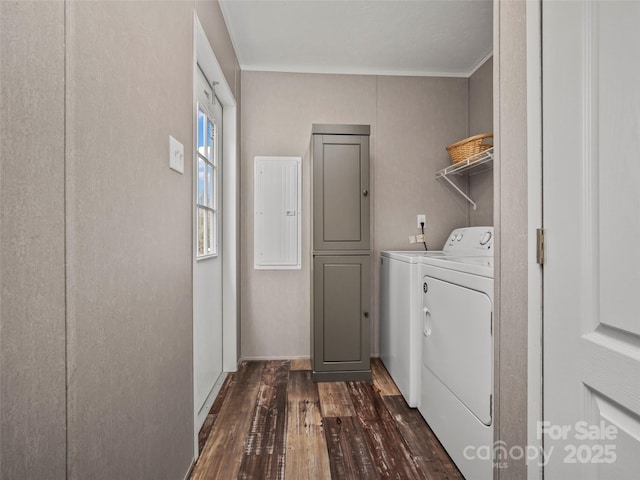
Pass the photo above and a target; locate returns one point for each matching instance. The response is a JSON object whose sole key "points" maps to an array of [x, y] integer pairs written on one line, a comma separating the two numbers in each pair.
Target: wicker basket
{"points": [[469, 146]]}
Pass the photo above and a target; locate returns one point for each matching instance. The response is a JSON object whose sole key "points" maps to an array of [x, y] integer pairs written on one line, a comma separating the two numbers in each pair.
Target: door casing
{"points": [[204, 56]]}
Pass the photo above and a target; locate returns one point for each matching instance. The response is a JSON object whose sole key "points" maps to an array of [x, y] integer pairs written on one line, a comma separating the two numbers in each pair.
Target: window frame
{"points": [[208, 205]]}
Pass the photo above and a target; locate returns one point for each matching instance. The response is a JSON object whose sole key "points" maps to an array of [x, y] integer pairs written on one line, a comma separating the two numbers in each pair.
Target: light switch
{"points": [[176, 155]]}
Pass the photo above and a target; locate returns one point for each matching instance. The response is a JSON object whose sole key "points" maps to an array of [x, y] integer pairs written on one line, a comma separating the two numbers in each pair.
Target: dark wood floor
{"points": [[270, 421]]}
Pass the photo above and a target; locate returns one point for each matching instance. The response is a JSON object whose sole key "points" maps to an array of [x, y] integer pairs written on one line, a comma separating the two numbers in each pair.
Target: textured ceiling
{"points": [[395, 37]]}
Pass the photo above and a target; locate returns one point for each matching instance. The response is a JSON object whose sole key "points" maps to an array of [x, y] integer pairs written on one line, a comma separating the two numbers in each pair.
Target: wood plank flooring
{"points": [[270, 421]]}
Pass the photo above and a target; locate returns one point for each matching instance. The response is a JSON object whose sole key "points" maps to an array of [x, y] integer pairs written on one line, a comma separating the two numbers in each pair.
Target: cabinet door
{"points": [[340, 192], [341, 304]]}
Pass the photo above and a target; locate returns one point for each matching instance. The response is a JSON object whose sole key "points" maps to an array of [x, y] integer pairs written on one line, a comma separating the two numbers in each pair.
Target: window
{"points": [[207, 186]]}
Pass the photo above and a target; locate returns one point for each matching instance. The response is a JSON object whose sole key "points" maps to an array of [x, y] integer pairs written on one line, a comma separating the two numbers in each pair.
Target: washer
{"points": [[401, 304], [456, 384], [400, 309]]}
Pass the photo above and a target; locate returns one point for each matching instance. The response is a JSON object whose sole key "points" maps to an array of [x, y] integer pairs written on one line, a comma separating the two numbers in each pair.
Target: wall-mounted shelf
{"points": [[478, 163]]}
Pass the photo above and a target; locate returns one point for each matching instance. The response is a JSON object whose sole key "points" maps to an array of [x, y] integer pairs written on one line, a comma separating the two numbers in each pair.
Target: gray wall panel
{"points": [[129, 229], [92, 181], [481, 121], [481, 99], [417, 118], [511, 227], [32, 297]]}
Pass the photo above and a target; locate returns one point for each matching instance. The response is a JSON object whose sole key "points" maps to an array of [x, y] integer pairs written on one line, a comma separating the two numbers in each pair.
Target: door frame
{"points": [[204, 55], [535, 353]]}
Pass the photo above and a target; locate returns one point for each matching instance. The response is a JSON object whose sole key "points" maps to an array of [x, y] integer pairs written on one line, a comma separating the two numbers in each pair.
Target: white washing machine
{"points": [[401, 304], [456, 384], [400, 307]]}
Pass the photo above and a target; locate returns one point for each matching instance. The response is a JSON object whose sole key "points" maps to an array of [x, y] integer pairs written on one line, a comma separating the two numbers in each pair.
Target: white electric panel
{"points": [[277, 216]]}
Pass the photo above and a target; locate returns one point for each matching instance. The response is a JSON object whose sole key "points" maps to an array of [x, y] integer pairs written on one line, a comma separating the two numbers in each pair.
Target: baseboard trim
{"points": [[211, 397], [190, 469], [267, 358], [278, 357]]}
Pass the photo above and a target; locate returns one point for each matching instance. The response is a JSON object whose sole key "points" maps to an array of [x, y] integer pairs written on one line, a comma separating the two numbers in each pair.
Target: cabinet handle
{"points": [[365, 192], [366, 314]]}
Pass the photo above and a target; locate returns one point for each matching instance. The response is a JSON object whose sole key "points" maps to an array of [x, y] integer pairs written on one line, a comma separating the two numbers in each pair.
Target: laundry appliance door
{"points": [[457, 342]]}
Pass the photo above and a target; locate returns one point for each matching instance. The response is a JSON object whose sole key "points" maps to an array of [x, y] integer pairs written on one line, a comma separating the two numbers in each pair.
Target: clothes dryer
{"points": [[456, 382], [400, 310]]}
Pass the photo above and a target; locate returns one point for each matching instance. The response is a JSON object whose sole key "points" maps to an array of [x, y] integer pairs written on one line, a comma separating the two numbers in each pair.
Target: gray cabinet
{"points": [[340, 312], [341, 257], [341, 192]]}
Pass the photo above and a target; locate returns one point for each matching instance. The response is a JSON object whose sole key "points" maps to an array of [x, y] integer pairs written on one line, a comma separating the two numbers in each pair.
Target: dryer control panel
{"points": [[470, 241]]}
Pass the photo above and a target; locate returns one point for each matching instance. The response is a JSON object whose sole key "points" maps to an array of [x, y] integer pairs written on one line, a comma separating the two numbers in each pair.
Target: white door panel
{"points": [[591, 197], [207, 281], [618, 151]]}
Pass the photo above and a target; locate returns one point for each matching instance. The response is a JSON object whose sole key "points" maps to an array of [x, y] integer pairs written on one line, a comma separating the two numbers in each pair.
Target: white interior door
{"points": [[208, 251], [591, 196]]}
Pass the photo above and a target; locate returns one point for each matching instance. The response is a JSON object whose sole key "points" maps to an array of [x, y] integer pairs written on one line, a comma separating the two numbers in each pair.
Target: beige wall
{"points": [[102, 193], [412, 120], [481, 121], [32, 288], [277, 113], [129, 237], [511, 266]]}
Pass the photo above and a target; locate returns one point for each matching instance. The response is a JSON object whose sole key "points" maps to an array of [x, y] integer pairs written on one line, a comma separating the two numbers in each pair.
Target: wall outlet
{"points": [[412, 239], [422, 218], [420, 238]]}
